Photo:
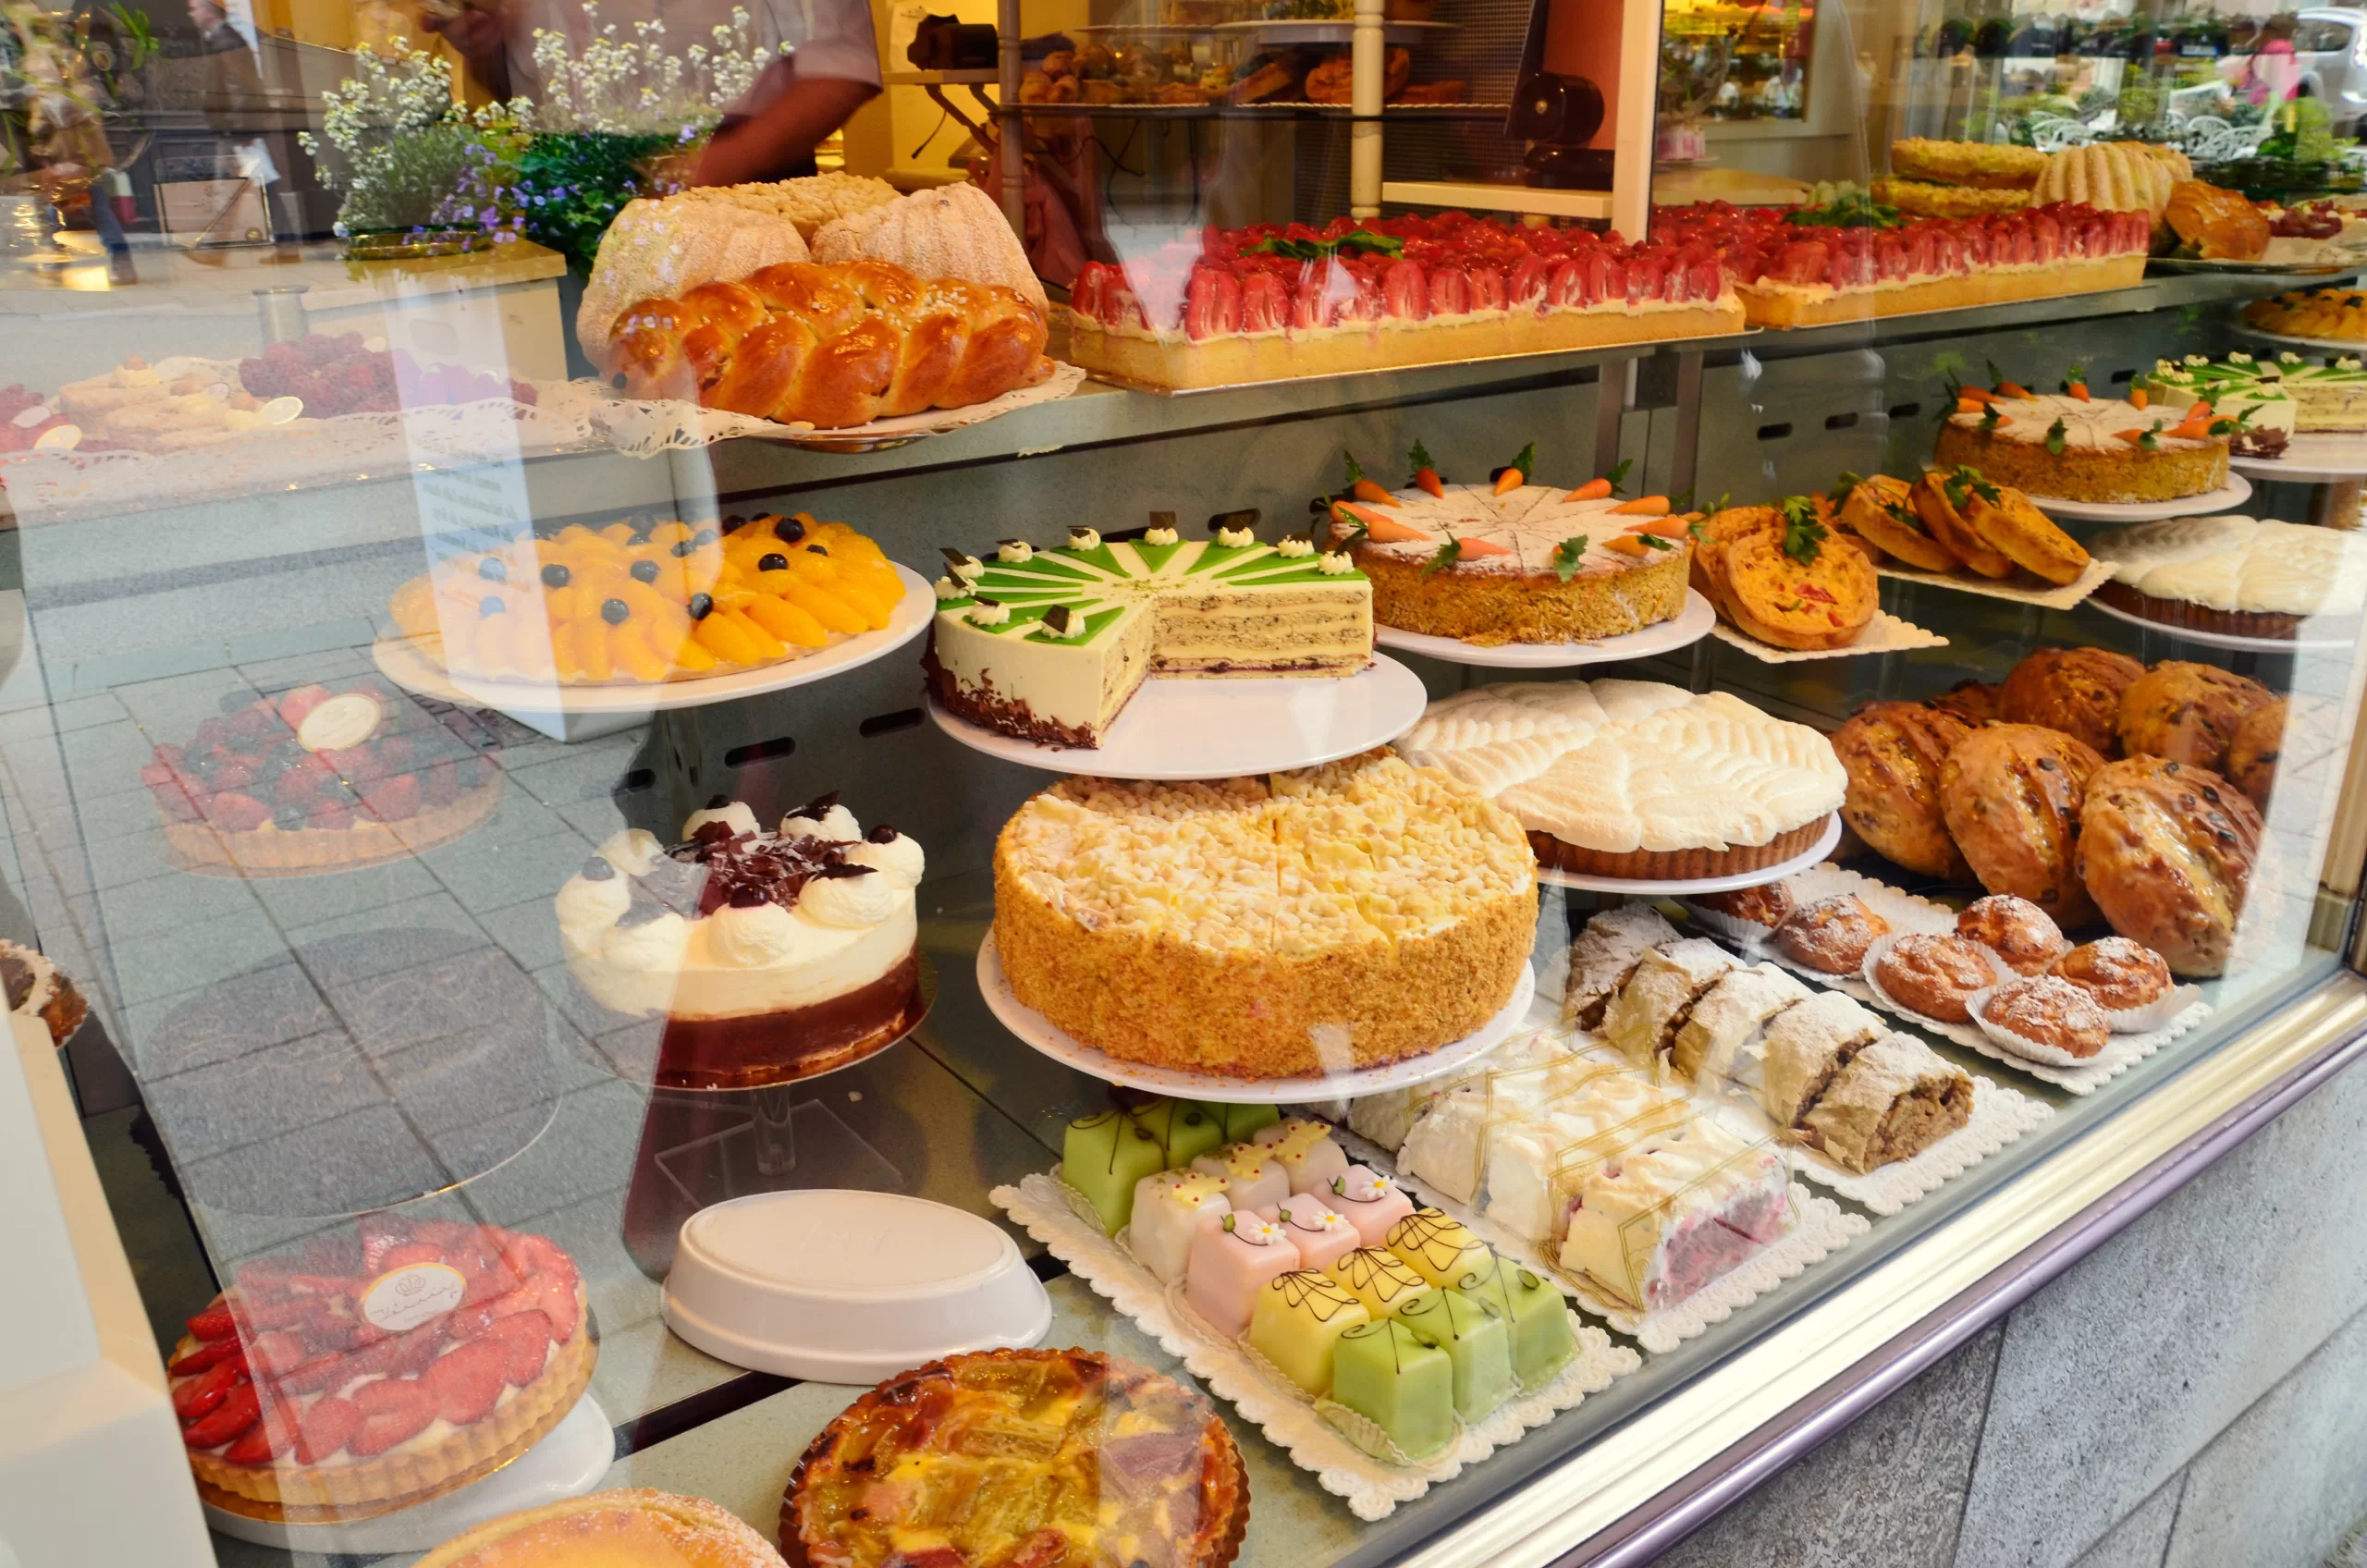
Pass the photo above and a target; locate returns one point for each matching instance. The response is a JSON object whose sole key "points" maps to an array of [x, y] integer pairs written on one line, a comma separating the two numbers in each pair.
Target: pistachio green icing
{"points": [[1102, 582]]}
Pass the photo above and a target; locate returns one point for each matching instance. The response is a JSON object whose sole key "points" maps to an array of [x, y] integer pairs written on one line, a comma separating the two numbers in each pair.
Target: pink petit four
{"points": [[1371, 1202], [1231, 1263], [1322, 1234]]}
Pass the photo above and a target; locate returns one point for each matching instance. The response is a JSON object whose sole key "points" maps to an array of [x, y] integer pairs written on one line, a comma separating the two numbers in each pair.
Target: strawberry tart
{"points": [[373, 1368], [1271, 301], [1809, 268], [323, 778]]}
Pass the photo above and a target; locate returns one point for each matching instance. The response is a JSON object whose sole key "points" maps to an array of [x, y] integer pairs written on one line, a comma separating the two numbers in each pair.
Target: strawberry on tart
{"points": [[370, 1371]]}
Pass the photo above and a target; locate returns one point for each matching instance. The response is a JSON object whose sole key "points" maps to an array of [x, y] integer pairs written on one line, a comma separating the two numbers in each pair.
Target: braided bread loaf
{"points": [[831, 346]]}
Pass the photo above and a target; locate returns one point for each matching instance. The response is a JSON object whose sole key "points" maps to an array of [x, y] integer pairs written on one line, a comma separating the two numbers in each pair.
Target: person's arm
{"points": [[483, 38], [785, 131]]}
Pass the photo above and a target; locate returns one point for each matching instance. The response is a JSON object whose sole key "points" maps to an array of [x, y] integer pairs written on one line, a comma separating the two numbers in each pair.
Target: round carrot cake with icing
{"points": [[1535, 563], [2083, 449], [1333, 918]]}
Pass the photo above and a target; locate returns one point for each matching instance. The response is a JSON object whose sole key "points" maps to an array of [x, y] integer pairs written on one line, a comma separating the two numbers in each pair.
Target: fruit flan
{"points": [[768, 957], [323, 778], [1510, 561], [374, 1367], [635, 606], [2074, 447]]}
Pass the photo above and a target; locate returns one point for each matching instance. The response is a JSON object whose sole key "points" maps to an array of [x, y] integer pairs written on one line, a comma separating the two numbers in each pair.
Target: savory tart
{"points": [[1020, 1459], [1783, 581]]}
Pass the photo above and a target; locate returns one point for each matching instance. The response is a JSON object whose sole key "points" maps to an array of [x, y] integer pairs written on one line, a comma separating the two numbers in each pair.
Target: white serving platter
{"points": [[1041, 1033], [2229, 639], [1692, 624], [2319, 457], [1801, 862], [1177, 729]]}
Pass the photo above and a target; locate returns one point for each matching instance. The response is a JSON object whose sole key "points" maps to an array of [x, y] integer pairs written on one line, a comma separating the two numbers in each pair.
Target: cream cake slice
{"points": [[1050, 645]]}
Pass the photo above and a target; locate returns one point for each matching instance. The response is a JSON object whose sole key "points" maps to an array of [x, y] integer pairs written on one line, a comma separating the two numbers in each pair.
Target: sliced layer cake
{"points": [[1050, 644]]}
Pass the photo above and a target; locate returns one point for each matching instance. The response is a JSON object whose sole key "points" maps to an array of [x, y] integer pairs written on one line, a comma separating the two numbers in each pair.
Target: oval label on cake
{"points": [[31, 417], [58, 438], [282, 410], [340, 722], [404, 1298]]}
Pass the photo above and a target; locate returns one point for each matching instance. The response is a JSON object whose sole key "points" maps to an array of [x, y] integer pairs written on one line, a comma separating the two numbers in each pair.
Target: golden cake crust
{"points": [[630, 1528], [1780, 304], [2089, 474], [1675, 865], [1490, 608]]}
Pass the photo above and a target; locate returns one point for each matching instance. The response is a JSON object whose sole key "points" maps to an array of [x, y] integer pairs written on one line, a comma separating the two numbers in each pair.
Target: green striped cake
{"points": [[1050, 644]]}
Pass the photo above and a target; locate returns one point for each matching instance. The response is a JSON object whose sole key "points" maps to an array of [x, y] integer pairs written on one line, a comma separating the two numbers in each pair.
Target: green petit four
{"points": [[1389, 1376], [1534, 1311], [1381, 1282], [1103, 1157], [1238, 1121], [1440, 1250], [1185, 1130], [1297, 1321], [1475, 1339]]}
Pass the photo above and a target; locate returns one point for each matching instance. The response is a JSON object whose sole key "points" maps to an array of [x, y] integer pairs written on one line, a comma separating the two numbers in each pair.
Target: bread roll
{"points": [[2187, 713], [1892, 753], [2253, 751], [1975, 701], [2169, 852], [2011, 795], [657, 249], [2077, 691]]}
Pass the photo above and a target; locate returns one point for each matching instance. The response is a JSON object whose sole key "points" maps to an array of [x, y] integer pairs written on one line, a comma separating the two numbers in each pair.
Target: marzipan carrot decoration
{"points": [[1642, 506]]}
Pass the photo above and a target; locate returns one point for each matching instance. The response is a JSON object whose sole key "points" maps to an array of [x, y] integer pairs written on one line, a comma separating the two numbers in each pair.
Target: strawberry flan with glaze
{"points": [[373, 1368]]}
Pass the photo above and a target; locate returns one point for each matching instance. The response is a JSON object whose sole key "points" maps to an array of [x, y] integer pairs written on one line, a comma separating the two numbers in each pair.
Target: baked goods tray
{"points": [[2233, 642], [2325, 268], [1371, 1487], [2357, 345], [1637, 350], [644, 427], [1820, 1228], [1909, 915], [404, 665], [1883, 634], [2049, 595]]}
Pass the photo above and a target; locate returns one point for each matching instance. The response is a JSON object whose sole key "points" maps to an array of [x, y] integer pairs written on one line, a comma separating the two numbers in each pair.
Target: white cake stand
{"points": [[2229, 639], [2235, 492], [569, 1462], [1041, 1033], [1176, 730], [1692, 623], [2317, 458], [1801, 862]]}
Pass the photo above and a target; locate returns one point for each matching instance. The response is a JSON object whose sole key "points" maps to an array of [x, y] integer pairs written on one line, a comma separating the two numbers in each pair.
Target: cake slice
{"points": [[1895, 1100], [1604, 954], [1805, 1045], [1654, 1224], [1644, 1019]]}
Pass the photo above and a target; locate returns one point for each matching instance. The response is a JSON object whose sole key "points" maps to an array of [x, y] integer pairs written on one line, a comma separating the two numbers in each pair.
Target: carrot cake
{"points": [[2094, 449]]}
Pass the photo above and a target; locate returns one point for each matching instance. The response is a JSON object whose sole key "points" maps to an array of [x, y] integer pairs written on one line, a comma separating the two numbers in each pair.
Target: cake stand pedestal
{"points": [[569, 1462]]}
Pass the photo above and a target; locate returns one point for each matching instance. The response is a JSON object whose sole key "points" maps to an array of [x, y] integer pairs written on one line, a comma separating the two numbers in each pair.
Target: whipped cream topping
{"points": [[823, 818], [733, 815]]}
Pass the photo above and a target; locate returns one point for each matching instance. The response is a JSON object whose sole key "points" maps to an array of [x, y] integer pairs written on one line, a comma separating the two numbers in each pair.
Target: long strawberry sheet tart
{"points": [[1272, 301], [1791, 273]]}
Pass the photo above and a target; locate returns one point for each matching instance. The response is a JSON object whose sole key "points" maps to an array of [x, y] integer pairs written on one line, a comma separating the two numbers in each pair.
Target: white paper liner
{"points": [[1743, 933], [2021, 1045], [1372, 1488], [1819, 1228], [1998, 972], [2155, 1014], [1884, 634], [643, 427], [2000, 1115], [2047, 595]]}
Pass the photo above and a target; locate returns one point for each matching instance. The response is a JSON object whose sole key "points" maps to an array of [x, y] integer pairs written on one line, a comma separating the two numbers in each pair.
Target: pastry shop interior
{"points": [[1174, 783]]}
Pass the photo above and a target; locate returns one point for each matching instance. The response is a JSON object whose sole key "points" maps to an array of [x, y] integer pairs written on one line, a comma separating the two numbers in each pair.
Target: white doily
{"points": [[1884, 634], [644, 427], [2047, 595], [1372, 1488], [1999, 1116]]}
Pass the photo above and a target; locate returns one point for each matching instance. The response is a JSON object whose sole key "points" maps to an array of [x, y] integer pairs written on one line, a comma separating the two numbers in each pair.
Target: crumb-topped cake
{"points": [[1050, 644], [771, 956], [379, 1365], [1636, 778], [1329, 919], [1511, 561], [2075, 446], [2235, 574]]}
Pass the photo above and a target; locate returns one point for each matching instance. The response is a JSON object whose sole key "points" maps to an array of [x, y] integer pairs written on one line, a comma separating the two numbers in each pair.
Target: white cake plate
{"points": [[1038, 1031], [2351, 345], [2230, 640], [1801, 862], [1220, 728], [1692, 624], [2317, 458], [405, 667], [569, 1462], [2235, 492]]}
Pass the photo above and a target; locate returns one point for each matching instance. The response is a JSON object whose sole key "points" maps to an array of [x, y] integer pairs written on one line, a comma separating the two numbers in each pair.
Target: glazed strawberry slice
{"points": [[526, 1338], [207, 1390], [557, 1298], [200, 1355], [393, 1409], [325, 1429], [238, 1410], [214, 1322], [275, 1354], [266, 1441], [466, 1383]]}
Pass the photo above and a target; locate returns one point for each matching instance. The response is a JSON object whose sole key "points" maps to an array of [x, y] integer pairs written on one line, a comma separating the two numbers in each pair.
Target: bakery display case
{"points": [[735, 872]]}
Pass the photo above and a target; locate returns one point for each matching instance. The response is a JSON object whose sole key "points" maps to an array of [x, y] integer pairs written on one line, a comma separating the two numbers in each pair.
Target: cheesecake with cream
{"points": [[770, 957], [1050, 645]]}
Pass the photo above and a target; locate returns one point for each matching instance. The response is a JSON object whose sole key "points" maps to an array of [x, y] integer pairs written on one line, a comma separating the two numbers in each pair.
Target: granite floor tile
{"points": [[491, 877], [124, 811], [168, 903], [467, 1079], [2121, 1370], [595, 818], [1885, 1493], [186, 959], [519, 817], [296, 643], [81, 713], [478, 1149], [190, 1030], [2141, 1540], [328, 664], [96, 675], [436, 912], [106, 751], [644, 1367], [590, 773], [261, 1095], [369, 1159], [586, 1152], [132, 857], [169, 709], [593, 1232], [301, 904], [528, 931], [2281, 1487]]}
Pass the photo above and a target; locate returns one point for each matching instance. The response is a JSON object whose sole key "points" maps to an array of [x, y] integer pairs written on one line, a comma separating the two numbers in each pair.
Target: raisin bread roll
{"points": [[1975, 701], [2187, 713], [1892, 753], [2011, 794], [2168, 851], [2253, 749], [2077, 691]]}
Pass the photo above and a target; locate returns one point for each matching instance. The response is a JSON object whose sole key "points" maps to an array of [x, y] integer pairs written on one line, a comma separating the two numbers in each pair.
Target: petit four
{"points": [[1306, 1152], [1251, 1179], [1171, 1211], [1388, 1375], [1370, 1201], [1476, 1342], [1297, 1322], [2017, 930], [1382, 1280], [1231, 1262], [1533, 1315], [1655, 1223], [1185, 1130], [1440, 1250], [1238, 1123], [1831, 935], [1322, 1234], [1105, 1158], [1933, 975]]}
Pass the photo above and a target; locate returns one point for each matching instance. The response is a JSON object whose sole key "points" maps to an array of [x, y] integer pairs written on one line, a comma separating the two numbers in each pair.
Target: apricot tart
{"points": [[323, 778], [375, 1367], [1020, 1459], [626, 606]]}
